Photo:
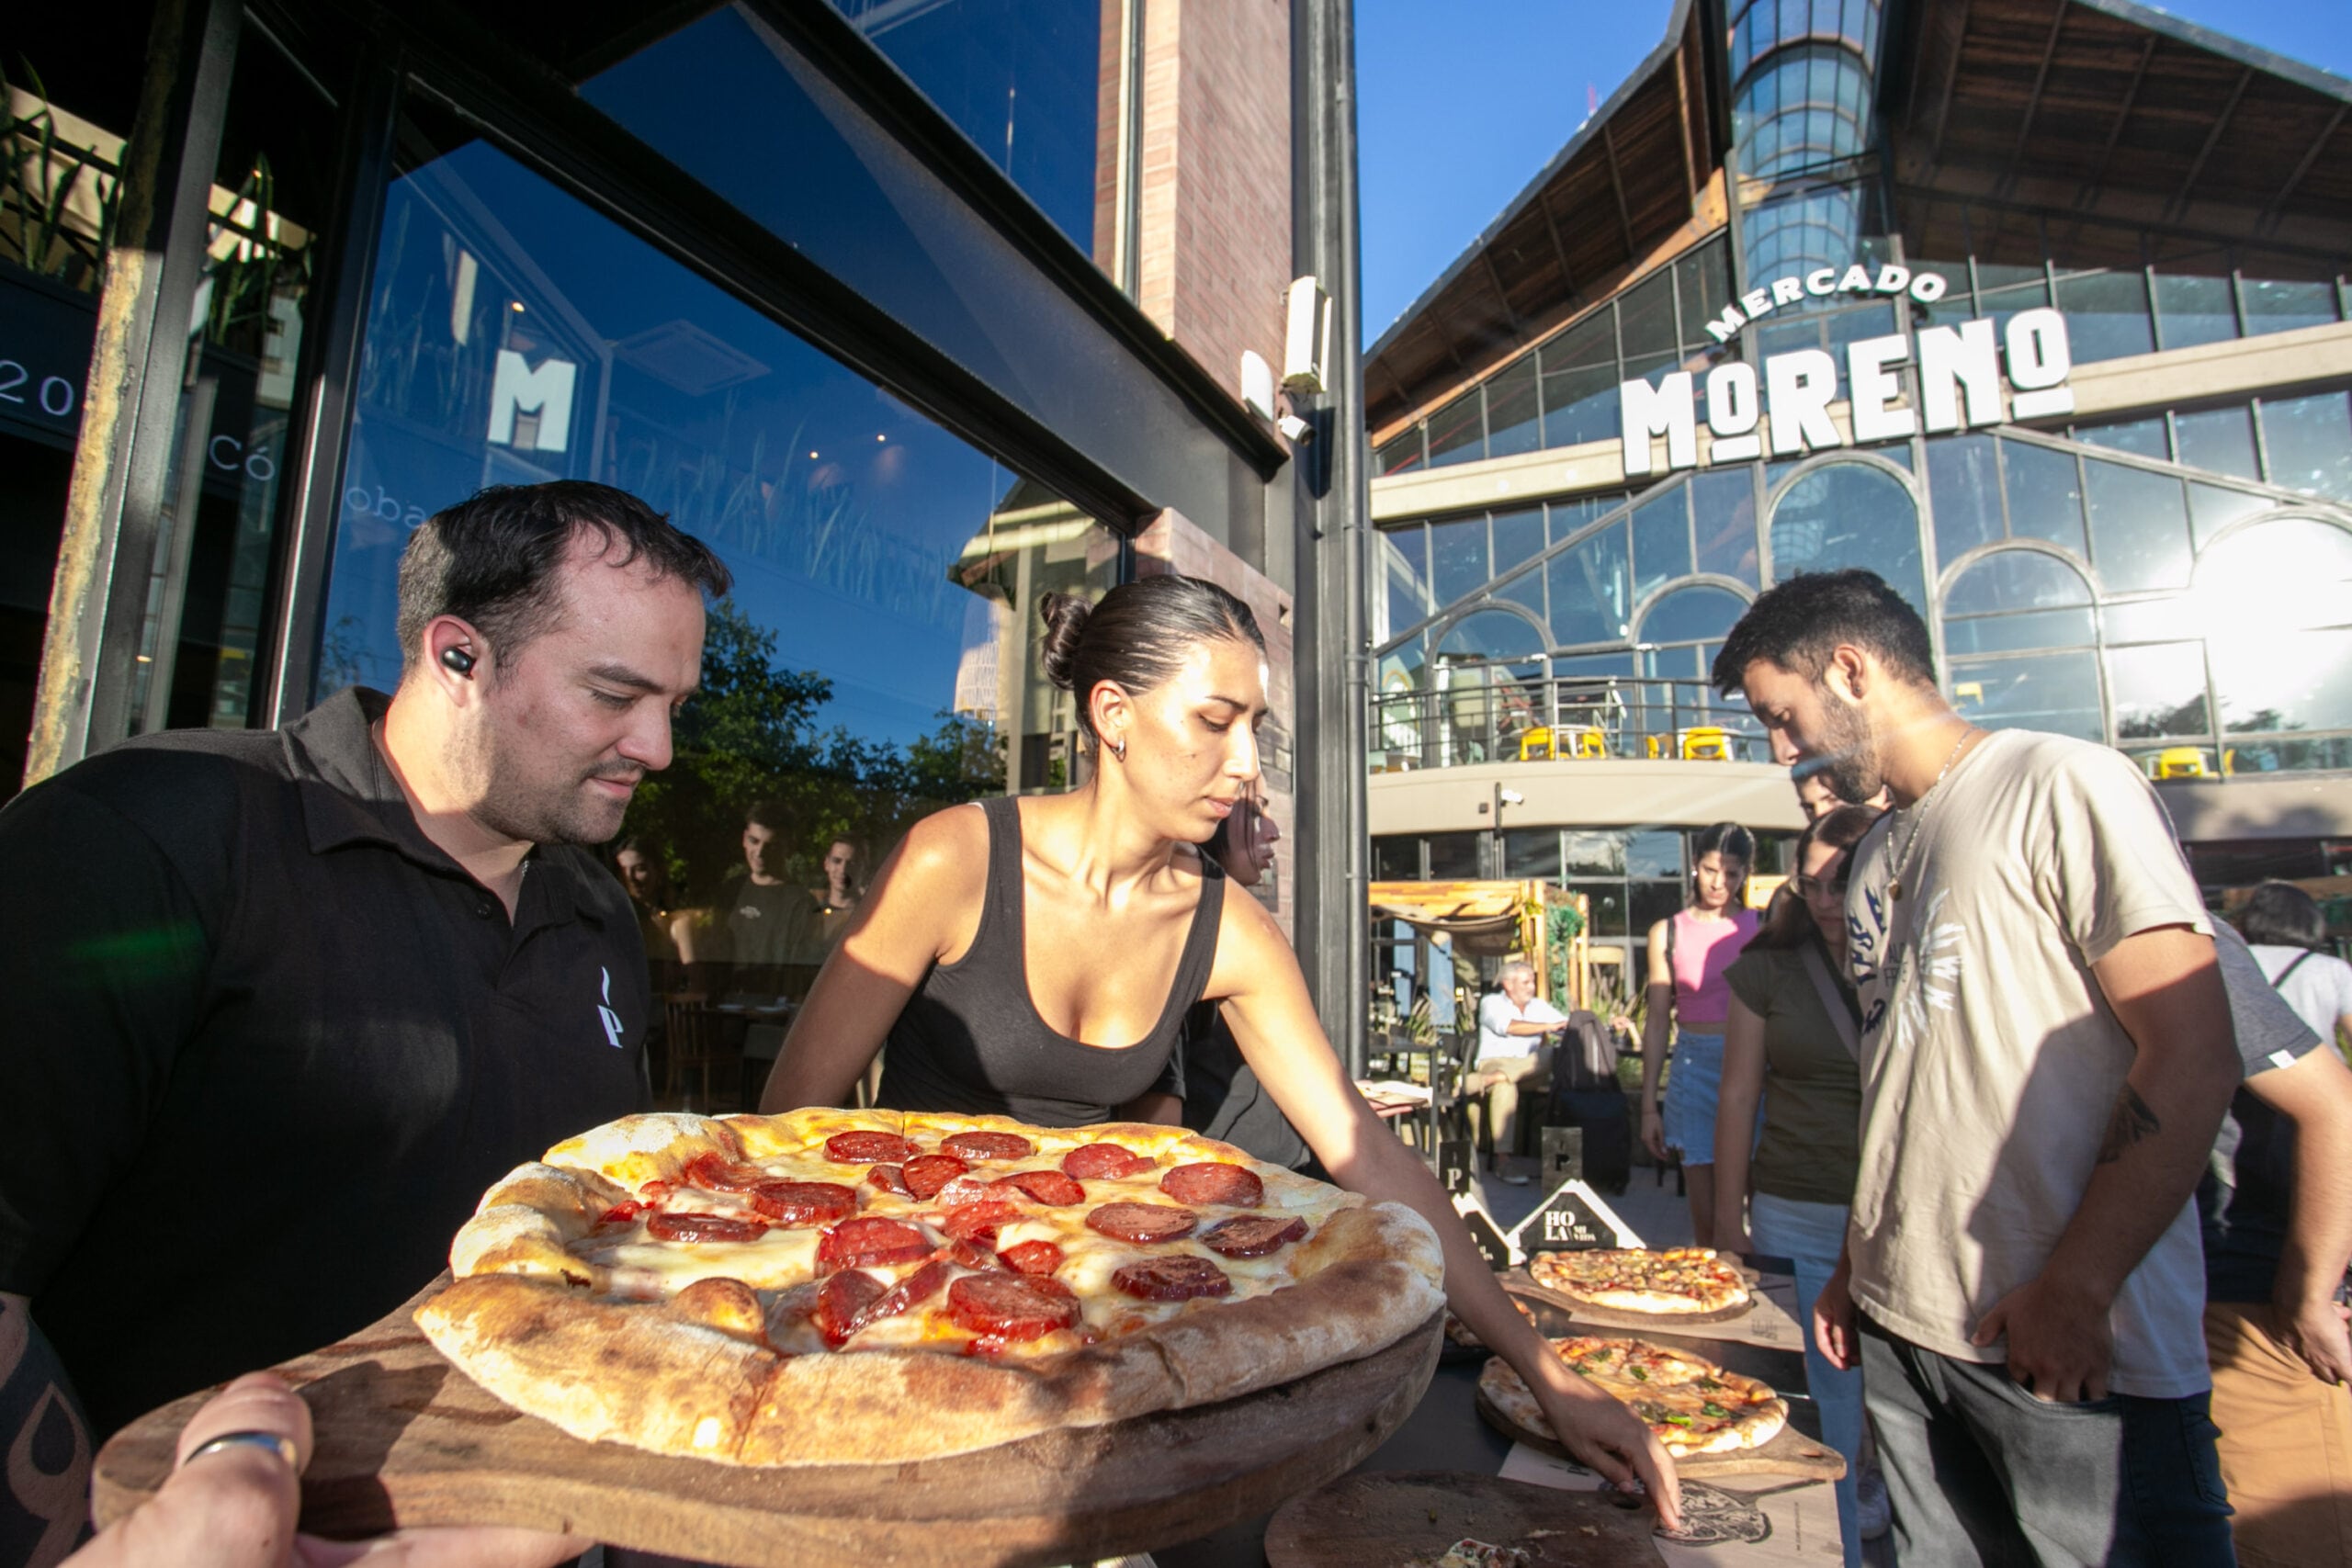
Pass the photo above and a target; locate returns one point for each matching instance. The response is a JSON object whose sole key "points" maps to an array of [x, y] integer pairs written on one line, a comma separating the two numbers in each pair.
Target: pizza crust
{"points": [[535, 1323], [1757, 1413], [1688, 1281]]}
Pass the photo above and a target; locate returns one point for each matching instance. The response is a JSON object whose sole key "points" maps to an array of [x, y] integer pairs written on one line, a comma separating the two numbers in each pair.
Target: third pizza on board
{"points": [[828, 1287], [1693, 1406], [1674, 1280]]}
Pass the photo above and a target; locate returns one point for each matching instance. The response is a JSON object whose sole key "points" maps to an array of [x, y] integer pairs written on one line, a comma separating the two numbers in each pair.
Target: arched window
{"points": [[1847, 515], [2024, 601], [1697, 614], [1490, 667], [2275, 599]]}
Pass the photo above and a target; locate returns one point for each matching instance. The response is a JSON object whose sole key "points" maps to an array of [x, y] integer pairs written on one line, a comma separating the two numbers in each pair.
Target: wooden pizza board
{"points": [[1790, 1453], [404, 1438], [1386, 1517]]}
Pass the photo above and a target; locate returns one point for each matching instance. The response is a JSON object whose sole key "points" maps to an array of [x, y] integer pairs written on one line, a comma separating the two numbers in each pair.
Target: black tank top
{"points": [[969, 1039]]}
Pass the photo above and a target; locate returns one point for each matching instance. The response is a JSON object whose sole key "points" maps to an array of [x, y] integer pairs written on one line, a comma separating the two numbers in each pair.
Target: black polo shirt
{"points": [[266, 1045]]}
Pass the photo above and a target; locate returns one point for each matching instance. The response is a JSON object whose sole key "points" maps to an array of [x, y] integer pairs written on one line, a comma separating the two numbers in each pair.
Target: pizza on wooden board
{"points": [[862, 1287], [1693, 1406], [1673, 1280]]}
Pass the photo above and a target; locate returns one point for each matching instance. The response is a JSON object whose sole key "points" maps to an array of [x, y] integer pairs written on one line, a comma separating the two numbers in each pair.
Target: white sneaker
{"points": [[1870, 1502]]}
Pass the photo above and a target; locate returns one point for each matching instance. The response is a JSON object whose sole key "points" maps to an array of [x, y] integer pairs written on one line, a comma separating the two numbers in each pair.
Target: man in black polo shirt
{"points": [[282, 1004]]}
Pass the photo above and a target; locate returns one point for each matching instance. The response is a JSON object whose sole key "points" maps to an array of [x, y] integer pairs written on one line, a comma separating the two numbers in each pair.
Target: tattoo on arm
{"points": [[46, 1443], [2129, 1123]]}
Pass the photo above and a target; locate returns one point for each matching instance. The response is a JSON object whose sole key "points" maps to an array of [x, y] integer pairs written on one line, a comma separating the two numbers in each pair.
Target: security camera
{"points": [[1512, 797], [1296, 431]]}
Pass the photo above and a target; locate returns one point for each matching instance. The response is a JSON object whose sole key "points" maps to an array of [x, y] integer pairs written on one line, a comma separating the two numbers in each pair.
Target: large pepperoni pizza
{"points": [[831, 1287]]}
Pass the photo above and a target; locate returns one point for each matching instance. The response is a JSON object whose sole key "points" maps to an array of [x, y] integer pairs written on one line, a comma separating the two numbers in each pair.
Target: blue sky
{"points": [[1462, 101]]}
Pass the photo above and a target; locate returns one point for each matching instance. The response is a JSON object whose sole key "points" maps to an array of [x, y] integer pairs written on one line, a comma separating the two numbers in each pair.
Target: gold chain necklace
{"points": [[1903, 856]]}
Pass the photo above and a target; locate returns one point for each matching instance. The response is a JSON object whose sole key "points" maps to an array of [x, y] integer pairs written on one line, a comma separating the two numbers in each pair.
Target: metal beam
{"points": [[2033, 99], [1617, 189], [1559, 250], [2122, 118], [122, 461], [2180, 202], [1495, 276], [1952, 80], [1683, 116], [2311, 156]]}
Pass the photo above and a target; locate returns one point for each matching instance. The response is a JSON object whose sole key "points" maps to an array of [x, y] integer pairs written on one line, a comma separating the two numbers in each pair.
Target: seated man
{"points": [[1513, 1055]]}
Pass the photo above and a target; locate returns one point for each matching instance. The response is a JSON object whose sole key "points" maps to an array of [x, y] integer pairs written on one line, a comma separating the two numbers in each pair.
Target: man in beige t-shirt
{"points": [[2046, 1054]]}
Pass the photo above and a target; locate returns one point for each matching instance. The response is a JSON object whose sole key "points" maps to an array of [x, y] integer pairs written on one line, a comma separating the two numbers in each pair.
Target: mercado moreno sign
{"points": [[1783, 403]]}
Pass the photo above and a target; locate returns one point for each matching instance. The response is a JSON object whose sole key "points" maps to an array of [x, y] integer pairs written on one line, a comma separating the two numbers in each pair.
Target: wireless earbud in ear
{"points": [[458, 659]]}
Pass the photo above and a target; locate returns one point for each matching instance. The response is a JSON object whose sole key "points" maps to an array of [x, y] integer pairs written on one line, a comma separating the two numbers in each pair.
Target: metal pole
{"points": [[146, 300]]}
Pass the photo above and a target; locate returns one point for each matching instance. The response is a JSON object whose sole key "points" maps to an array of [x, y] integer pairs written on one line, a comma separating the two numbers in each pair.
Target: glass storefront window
{"points": [[1024, 80], [1402, 454], [2218, 440], [1396, 857], [1458, 431], [1723, 511], [1527, 590], [1454, 857], [2158, 691], [1532, 851], [1605, 906], [1519, 535], [2281, 307], [2056, 692], [2309, 443], [1580, 405], [1693, 614], [2008, 581], [2283, 680], [1514, 409], [2044, 494], [1845, 514], [2213, 508], [1661, 541], [1591, 597], [875, 660], [1964, 491], [2193, 310], [2107, 315], [2139, 528], [2017, 633], [1594, 851], [1458, 565], [2142, 437], [1645, 318], [1404, 557], [1654, 853]]}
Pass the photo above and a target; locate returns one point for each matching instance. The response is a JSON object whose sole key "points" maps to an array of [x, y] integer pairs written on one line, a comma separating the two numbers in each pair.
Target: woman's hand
{"points": [[1604, 1436], [1732, 1236], [1654, 1132]]}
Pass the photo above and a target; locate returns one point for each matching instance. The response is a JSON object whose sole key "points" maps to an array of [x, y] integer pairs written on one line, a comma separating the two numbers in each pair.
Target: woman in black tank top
{"points": [[1036, 956]]}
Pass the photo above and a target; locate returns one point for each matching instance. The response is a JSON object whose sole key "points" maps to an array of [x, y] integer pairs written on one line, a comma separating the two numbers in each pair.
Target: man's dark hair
{"points": [[491, 559], [2282, 915], [1798, 624], [768, 814]]}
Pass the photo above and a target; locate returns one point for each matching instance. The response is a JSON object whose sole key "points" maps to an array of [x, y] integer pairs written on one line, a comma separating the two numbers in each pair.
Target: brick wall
{"points": [[1214, 199], [1173, 544]]}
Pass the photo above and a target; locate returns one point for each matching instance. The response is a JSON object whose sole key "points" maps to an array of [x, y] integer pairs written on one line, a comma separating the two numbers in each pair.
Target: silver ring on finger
{"points": [[276, 1442]]}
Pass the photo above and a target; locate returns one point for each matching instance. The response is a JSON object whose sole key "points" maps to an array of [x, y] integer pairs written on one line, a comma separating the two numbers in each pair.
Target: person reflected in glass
{"points": [[844, 884], [766, 921], [1791, 1042], [1223, 1098], [1687, 1003], [1033, 956], [669, 932]]}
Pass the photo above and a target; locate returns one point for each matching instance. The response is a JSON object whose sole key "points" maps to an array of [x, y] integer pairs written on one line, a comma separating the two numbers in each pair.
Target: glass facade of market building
{"points": [[2038, 308], [883, 301]]}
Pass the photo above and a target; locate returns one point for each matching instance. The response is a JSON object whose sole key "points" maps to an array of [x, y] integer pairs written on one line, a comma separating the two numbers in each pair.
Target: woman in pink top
{"points": [[1687, 996]]}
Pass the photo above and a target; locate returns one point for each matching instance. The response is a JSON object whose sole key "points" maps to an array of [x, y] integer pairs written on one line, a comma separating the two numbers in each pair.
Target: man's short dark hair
{"points": [[768, 814], [1798, 624], [491, 559], [2282, 915]]}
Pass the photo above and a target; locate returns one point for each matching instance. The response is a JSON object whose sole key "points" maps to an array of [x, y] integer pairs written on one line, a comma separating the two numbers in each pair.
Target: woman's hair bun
{"points": [[1065, 618]]}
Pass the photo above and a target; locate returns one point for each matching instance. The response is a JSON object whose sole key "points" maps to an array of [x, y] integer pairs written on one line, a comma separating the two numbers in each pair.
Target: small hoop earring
{"points": [[1119, 749]]}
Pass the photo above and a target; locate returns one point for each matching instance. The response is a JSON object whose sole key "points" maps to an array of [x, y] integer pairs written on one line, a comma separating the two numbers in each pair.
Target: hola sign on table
{"points": [[1784, 403]]}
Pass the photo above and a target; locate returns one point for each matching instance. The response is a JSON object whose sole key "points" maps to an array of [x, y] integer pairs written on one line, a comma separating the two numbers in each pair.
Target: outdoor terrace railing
{"points": [[1486, 715]]}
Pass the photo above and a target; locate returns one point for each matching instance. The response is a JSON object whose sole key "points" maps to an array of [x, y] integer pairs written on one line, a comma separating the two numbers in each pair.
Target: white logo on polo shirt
{"points": [[612, 1019]]}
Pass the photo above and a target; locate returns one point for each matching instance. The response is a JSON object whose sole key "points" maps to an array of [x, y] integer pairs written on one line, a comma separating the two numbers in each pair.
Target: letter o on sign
{"points": [[2039, 354]]}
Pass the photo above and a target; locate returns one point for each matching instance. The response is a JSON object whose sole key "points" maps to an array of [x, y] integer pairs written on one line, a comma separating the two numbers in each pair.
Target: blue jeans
{"points": [[1812, 1236], [1981, 1472], [1691, 1089]]}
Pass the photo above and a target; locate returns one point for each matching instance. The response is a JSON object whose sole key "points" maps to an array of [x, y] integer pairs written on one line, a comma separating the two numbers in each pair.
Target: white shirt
{"points": [[2320, 990], [1991, 1061], [1496, 1015]]}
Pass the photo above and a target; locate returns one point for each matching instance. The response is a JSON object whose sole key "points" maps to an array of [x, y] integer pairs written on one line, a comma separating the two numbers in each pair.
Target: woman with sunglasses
{"points": [[1793, 1040]]}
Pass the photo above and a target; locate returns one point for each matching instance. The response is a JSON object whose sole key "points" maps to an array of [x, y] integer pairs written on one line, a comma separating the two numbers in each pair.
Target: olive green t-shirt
{"points": [[1813, 1086]]}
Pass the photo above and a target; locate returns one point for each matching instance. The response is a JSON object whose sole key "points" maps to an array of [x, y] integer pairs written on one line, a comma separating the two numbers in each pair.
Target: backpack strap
{"points": [[1833, 1001]]}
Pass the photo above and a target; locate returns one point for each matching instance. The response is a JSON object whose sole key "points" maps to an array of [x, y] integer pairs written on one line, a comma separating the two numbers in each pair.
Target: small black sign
{"points": [[1563, 1156], [1565, 1223], [1457, 1166], [1492, 1244]]}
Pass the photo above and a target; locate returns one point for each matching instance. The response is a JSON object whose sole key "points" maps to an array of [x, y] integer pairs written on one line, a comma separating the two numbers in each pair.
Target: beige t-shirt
{"points": [[1990, 1058]]}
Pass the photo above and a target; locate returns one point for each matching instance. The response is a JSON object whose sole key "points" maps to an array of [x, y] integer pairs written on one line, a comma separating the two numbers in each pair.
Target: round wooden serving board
{"points": [[1790, 1453], [1393, 1516], [404, 1438]]}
